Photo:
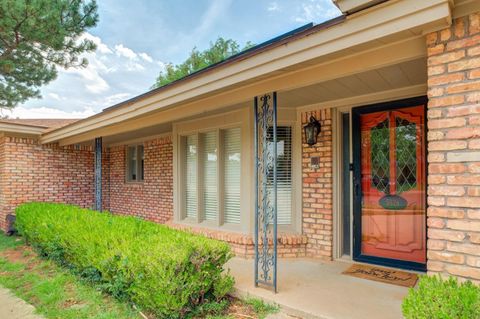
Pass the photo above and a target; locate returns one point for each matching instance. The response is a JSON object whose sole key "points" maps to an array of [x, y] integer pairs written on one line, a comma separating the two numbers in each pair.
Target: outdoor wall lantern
{"points": [[312, 130]]}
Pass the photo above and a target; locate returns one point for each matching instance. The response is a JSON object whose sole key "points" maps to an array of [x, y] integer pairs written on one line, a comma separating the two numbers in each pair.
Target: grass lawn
{"points": [[52, 290], [57, 293]]}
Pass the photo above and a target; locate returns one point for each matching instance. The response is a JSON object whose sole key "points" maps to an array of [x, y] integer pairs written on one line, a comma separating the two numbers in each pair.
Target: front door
{"points": [[389, 184]]}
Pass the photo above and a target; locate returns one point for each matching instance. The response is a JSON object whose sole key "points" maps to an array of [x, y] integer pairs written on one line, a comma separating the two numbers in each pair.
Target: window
{"points": [[135, 163], [191, 176], [231, 175], [406, 154], [284, 175], [211, 175], [380, 153], [209, 154]]}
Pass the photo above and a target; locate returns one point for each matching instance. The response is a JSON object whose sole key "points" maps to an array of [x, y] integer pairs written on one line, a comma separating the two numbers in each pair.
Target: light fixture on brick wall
{"points": [[312, 129]]}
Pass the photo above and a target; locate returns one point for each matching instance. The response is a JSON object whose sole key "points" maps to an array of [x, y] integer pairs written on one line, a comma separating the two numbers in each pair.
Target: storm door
{"points": [[389, 184]]}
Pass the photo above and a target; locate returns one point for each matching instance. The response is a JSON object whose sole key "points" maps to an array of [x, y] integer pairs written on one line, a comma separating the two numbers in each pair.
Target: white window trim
{"points": [[200, 219], [242, 118], [218, 123]]}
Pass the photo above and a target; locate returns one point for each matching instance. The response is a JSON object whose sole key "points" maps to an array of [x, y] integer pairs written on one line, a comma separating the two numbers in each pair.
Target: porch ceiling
{"points": [[136, 135], [406, 74]]}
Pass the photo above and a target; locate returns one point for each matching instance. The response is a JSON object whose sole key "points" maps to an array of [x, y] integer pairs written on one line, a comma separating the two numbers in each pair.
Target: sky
{"points": [[135, 39]]}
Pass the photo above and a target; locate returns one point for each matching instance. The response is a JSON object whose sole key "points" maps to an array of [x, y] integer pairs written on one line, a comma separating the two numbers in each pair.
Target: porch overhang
{"points": [[389, 34]]}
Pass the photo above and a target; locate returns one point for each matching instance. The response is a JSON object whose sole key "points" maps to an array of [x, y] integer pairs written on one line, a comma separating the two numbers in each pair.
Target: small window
{"points": [[135, 163]]}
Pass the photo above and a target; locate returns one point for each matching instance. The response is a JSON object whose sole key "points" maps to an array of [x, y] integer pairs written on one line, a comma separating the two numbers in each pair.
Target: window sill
{"points": [[235, 237], [132, 183]]}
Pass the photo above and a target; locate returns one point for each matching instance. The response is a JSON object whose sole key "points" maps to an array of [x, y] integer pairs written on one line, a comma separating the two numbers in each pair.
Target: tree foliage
{"points": [[36, 37], [218, 51]]}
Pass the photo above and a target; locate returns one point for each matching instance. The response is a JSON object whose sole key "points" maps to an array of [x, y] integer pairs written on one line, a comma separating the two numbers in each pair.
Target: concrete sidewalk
{"points": [[313, 289], [12, 307]]}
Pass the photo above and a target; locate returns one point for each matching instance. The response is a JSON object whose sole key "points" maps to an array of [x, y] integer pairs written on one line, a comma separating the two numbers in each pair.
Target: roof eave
{"points": [[22, 129], [361, 29]]}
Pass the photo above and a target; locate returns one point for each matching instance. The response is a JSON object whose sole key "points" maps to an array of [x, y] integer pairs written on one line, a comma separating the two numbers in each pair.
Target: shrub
{"points": [[167, 272], [435, 298]]}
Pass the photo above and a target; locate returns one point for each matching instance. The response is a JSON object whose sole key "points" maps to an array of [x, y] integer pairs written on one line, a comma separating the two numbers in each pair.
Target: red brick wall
{"points": [[288, 245], [317, 200], [33, 172], [151, 199], [454, 149], [105, 179]]}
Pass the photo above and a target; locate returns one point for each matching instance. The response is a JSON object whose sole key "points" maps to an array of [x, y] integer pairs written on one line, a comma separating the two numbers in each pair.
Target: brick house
{"points": [[393, 177]]}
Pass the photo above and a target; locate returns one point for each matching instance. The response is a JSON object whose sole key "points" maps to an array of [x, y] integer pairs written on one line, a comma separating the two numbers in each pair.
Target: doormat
{"points": [[386, 275]]}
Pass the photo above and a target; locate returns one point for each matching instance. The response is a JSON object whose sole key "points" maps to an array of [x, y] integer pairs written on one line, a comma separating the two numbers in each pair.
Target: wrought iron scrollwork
{"points": [[98, 173], [266, 190]]}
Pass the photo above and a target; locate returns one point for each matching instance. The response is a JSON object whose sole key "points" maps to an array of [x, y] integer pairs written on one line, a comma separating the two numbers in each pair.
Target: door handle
{"points": [[356, 187]]}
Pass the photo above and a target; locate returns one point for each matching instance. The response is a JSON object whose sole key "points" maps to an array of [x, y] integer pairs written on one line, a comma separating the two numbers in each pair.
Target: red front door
{"points": [[392, 177]]}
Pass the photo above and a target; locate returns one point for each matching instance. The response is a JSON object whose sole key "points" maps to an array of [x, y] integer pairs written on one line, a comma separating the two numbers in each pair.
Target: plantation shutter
{"points": [[284, 175], [231, 175], [209, 162], [191, 176]]}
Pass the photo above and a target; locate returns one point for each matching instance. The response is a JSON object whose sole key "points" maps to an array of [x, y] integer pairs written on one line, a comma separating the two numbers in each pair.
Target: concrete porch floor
{"points": [[317, 289]]}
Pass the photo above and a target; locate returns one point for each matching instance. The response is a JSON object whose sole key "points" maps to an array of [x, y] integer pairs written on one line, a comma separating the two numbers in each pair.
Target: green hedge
{"points": [[436, 298], [166, 272]]}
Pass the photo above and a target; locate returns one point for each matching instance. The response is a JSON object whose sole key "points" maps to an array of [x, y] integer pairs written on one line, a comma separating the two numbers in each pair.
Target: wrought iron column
{"points": [[266, 190], [98, 173]]}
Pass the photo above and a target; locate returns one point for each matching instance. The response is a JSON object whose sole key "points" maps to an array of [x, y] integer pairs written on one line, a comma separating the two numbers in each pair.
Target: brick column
{"points": [[317, 200], [454, 149]]}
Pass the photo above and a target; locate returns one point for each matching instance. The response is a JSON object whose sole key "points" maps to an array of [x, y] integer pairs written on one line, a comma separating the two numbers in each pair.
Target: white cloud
{"points": [[208, 21], [98, 87], [206, 30], [55, 96], [134, 67], [146, 57], [90, 76], [273, 6], [120, 50], [315, 11], [101, 47], [113, 74], [47, 113], [113, 99]]}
